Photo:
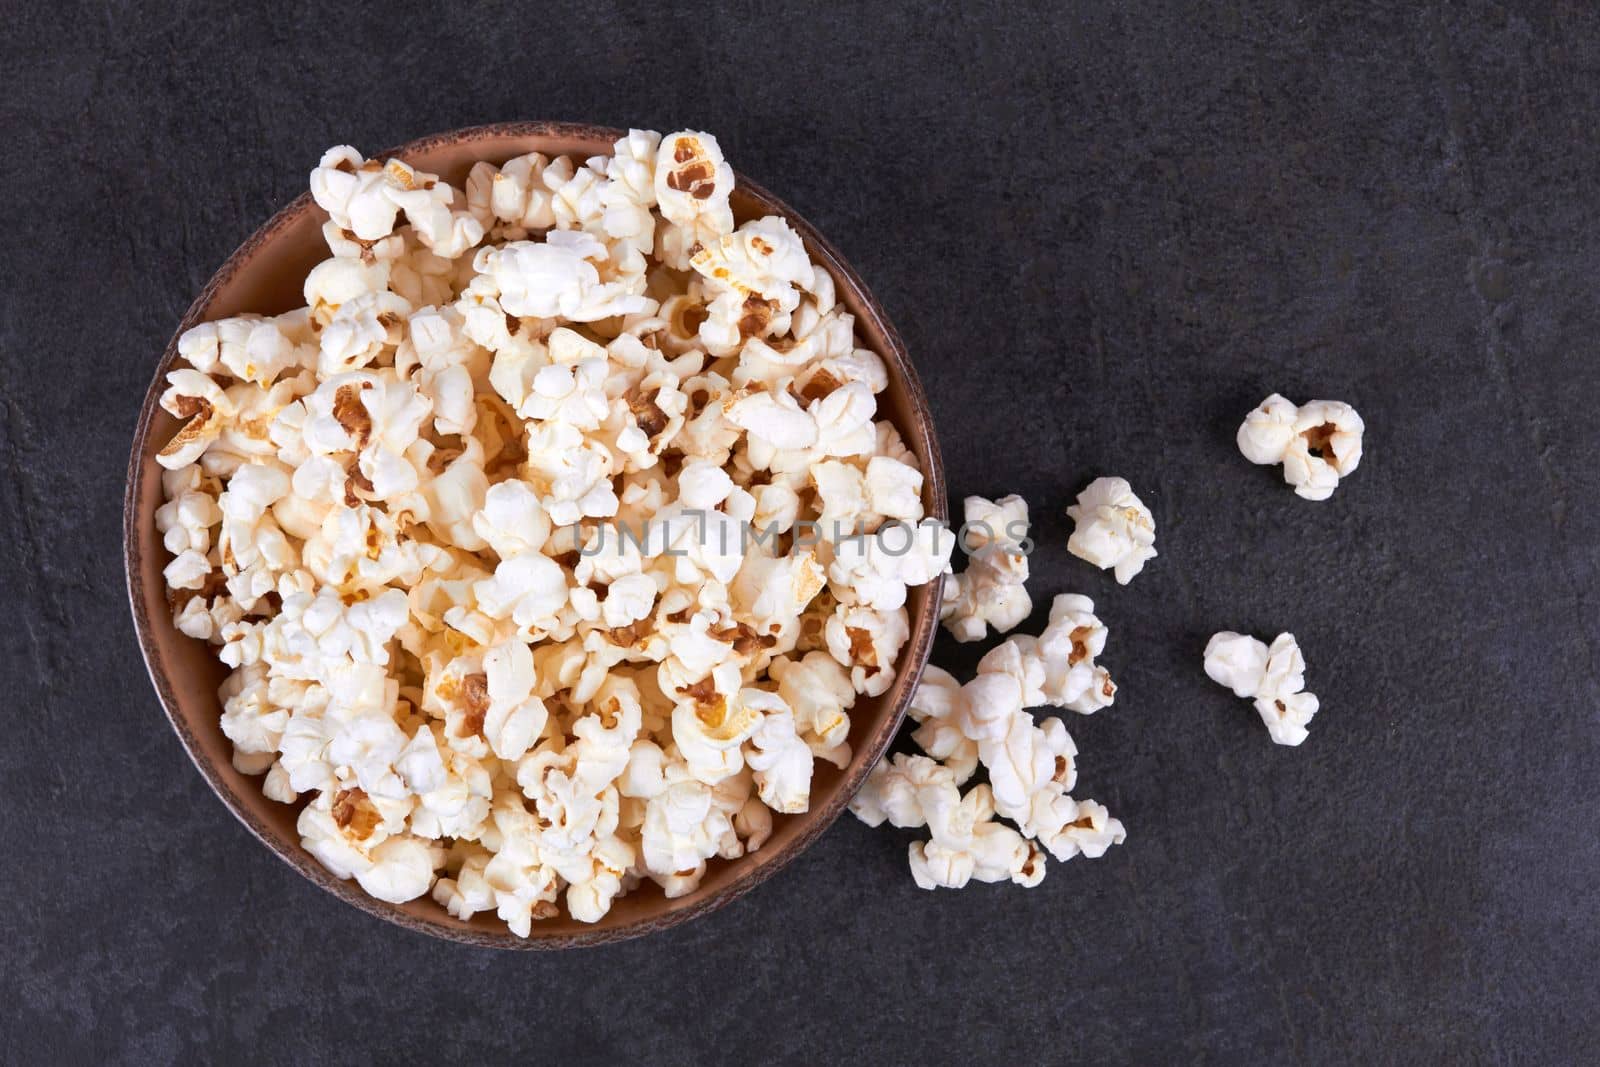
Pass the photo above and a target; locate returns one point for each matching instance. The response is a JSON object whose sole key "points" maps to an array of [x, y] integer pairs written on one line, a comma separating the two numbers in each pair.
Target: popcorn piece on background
{"points": [[968, 844], [990, 592], [1031, 765], [1287, 715], [1266, 432], [1114, 530], [1273, 676], [1318, 443], [1067, 649], [1236, 661]]}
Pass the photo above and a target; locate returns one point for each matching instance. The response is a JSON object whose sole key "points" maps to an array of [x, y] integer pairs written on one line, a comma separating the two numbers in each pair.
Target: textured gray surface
{"points": [[1105, 236]]}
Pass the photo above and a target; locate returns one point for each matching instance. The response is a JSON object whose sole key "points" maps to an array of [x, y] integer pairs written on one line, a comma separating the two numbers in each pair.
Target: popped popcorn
{"points": [[1031, 764], [1318, 443], [1067, 649], [1113, 529], [470, 528], [1273, 677], [990, 592]]}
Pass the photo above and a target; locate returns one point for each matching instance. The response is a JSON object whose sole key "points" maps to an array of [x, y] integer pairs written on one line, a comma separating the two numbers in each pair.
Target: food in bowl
{"points": [[551, 542]]}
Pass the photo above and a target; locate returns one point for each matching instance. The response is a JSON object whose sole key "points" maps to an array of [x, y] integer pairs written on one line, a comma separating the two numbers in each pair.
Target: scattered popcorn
{"points": [[1272, 676], [968, 844], [1067, 649], [1318, 443], [1237, 661], [990, 592], [1285, 670], [499, 536], [1114, 530], [1031, 764]]}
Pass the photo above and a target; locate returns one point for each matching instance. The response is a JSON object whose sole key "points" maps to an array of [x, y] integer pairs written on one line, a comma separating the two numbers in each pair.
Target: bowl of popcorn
{"points": [[535, 532]]}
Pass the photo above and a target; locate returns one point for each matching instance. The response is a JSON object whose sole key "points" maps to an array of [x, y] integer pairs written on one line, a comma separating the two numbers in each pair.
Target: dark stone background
{"points": [[1106, 231]]}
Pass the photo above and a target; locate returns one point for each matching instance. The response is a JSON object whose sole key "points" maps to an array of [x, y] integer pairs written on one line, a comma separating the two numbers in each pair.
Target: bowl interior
{"points": [[265, 275]]}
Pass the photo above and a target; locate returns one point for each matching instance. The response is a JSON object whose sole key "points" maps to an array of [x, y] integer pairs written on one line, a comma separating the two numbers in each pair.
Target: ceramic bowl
{"points": [[265, 275]]}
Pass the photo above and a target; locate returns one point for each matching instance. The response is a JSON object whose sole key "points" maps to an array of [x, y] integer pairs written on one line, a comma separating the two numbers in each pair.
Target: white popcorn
{"points": [[819, 693], [1318, 443], [991, 591], [589, 896], [1266, 432], [276, 785], [469, 891], [1236, 661], [630, 193], [572, 394], [844, 421], [558, 277], [1326, 448], [682, 828], [576, 195], [364, 196], [194, 619], [1031, 765], [692, 185], [1067, 648], [1273, 676], [629, 599], [776, 419], [893, 791], [516, 717], [397, 513], [1070, 827], [402, 869], [1026, 757], [249, 718], [249, 347], [1287, 715], [191, 510], [512, 522], [868, 642], [351, 191], [343, 831], [894, 489], [1114, 530], [710, 726], [779, 757], [703, 485], [514, 195], [340, 280], [528, 589], [764, 256], [374, 416], [967, 843], [989, 703], [188, 570], [459, 805], [193, 396], [877, 568], [324, 626], [939, 706], [363, 747], [522, 886], [344, 244], [421, 764], [1021, 659], [1285, 670], [359, 332]]}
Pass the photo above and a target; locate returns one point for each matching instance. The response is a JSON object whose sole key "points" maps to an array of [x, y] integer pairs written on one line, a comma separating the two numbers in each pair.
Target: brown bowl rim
{"points": [[758, 867]]}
